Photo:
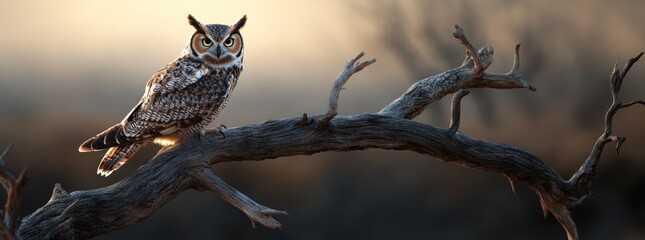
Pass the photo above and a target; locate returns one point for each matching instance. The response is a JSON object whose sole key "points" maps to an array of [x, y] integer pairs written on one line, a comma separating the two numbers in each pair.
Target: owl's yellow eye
{"points": [[207, 42], [229, 42]]}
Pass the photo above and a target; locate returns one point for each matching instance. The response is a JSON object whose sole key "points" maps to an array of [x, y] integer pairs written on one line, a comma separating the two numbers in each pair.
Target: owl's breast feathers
{"points": [[180, 98]]}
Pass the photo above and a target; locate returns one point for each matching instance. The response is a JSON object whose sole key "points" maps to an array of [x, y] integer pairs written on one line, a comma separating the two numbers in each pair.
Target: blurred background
{"points": [[70, 69]]}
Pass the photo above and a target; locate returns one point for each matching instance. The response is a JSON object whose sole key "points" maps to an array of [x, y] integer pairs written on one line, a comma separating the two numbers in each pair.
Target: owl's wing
{"points": [[172, 78], [141, 125], [161, 111]]}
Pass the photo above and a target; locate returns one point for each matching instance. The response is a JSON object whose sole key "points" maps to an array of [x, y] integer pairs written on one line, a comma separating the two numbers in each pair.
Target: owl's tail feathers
{"points": [[111, 137], [116, 157]]}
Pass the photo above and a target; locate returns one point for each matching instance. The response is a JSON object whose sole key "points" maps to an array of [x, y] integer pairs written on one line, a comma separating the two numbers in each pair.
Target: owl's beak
{"points": [[218, 51]]}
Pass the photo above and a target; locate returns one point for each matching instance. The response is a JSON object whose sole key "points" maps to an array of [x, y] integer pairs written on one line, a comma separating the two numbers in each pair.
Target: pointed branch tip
{"points": [[583, 179], [619, 142], [532, 88], [470, 50], [632, 103], [516, 59], [304, 121], [513, 187], [350, 68], [635, 59], [5, 152]]}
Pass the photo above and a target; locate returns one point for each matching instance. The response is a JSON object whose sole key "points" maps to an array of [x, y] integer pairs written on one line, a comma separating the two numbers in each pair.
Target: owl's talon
{"points": [[217, 130]]}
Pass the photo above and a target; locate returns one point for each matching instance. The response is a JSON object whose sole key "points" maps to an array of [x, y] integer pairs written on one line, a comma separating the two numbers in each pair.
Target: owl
{"points": [[180, 99]]}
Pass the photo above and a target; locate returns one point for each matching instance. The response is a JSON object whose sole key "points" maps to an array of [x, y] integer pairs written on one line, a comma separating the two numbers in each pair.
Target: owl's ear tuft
{"points": [[196, 24], [238, 25]]}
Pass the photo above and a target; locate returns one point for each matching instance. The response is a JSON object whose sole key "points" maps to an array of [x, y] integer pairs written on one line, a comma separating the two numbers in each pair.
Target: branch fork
{"points": [[472, 55], [350, 68], [256, 212], [582, 180], [186, 165], [13, 186]]}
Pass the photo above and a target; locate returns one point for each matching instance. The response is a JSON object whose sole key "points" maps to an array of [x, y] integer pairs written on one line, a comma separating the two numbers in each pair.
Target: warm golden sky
{"points": [[148, 34], [113, 47], [70, 69], [61, 37], [92, 58]]}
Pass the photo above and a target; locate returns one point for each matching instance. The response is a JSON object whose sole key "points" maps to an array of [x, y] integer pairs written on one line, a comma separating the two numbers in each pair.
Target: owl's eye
{"points": [[229, 42], [207, 42]]}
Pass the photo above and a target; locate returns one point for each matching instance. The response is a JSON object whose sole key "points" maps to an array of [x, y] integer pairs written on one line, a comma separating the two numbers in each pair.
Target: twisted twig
{"points": [[350, 68], [456, 109]]}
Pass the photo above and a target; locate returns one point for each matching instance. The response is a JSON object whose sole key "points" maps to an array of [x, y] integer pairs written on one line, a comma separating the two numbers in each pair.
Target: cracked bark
{"points": [[186, 165]]}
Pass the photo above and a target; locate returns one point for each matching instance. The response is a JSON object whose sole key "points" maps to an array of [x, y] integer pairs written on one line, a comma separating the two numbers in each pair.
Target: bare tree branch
{"points": [[350, 68], [456, 109], [186, 165], [480, 65], [584, 177], [435, 87], [12, 185], [255, 212]]}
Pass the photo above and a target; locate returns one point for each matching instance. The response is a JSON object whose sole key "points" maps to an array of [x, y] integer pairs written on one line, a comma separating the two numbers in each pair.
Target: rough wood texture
{"points": [[350, 68], [84, 214]]}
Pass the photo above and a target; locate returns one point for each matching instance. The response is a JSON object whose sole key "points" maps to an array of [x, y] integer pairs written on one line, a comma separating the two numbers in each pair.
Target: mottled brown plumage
{"points": [[181, 98]]}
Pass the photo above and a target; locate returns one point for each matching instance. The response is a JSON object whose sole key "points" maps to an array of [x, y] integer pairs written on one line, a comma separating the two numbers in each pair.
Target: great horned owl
{"points": [[181, 98]]}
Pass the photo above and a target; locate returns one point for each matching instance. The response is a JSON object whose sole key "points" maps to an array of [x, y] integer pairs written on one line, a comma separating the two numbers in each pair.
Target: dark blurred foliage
{"points": [[568, 49]]}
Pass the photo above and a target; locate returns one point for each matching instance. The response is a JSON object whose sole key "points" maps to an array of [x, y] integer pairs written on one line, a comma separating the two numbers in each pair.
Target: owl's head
{"points": [[217, 44]]}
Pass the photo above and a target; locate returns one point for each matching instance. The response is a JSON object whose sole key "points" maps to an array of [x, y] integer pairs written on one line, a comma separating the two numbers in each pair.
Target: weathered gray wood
{"points": [[350, 68], [160, 180], [186, 165]]}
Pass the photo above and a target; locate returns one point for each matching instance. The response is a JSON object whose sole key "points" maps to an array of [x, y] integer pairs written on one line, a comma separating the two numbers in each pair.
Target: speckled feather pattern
{"points": [[179, 100], [183, 104], [177, 103]]}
